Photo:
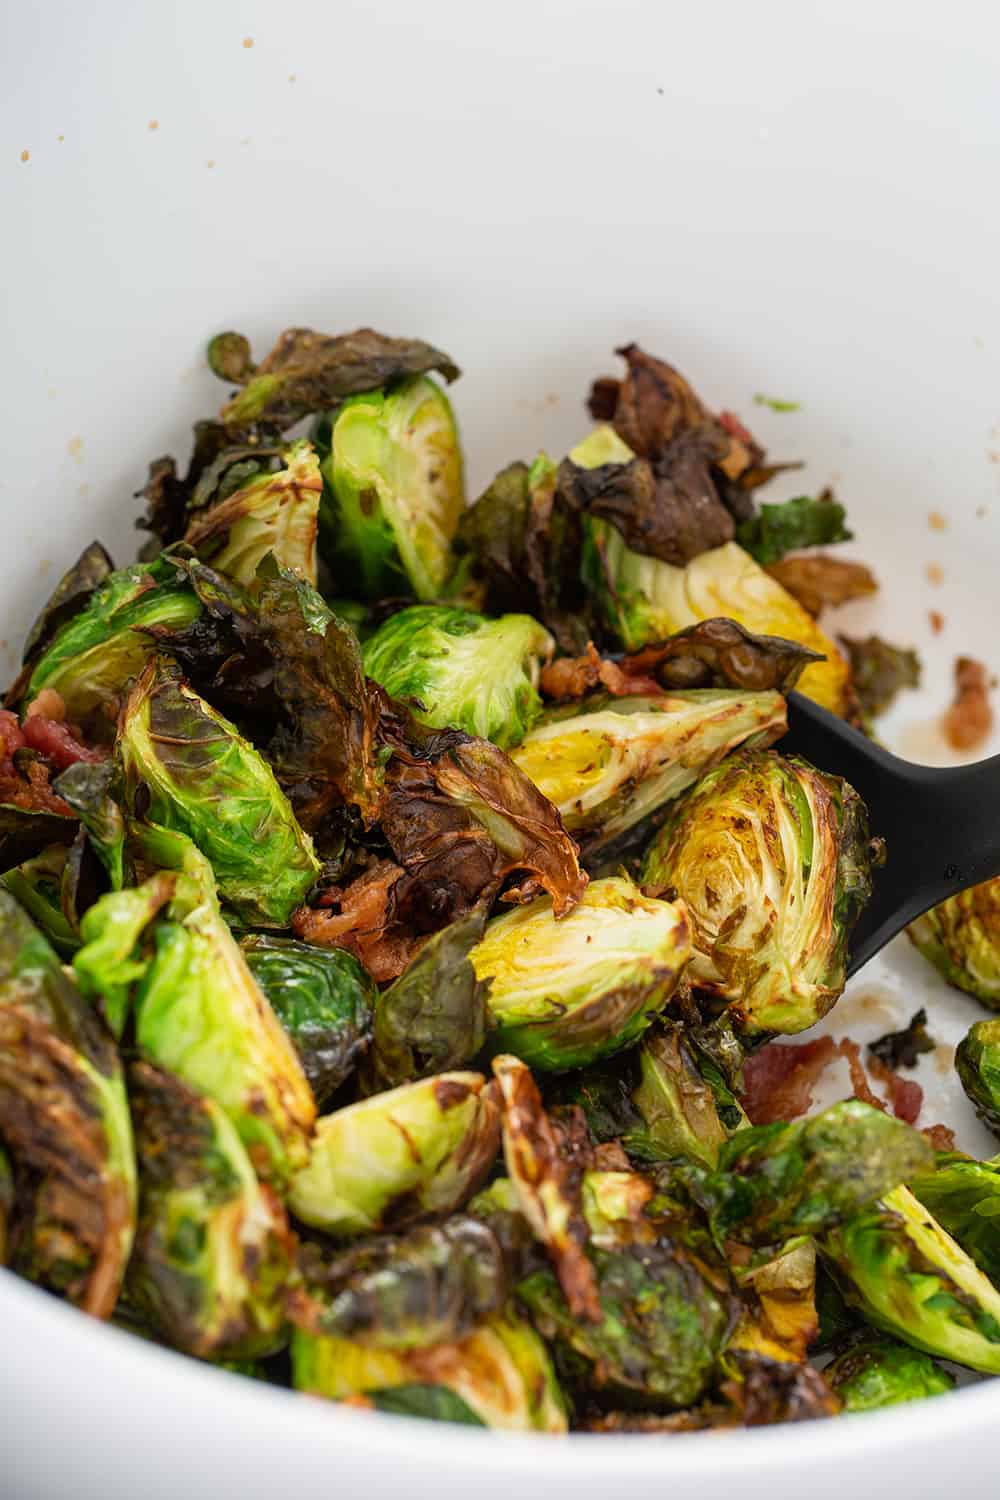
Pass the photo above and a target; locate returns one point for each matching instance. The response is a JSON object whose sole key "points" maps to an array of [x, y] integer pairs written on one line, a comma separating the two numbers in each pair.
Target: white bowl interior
{"points": [[781, 199]]}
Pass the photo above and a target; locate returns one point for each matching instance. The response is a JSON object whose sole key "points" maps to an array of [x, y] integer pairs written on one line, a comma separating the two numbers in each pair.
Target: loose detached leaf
{"points": [[802, 522], [309, 372], [68, 597]]}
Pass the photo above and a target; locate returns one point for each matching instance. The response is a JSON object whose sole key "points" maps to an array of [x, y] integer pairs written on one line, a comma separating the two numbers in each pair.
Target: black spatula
{"points": [[941, 825]]}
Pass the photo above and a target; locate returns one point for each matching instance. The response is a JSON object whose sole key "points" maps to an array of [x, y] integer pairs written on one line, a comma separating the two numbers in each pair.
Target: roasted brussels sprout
{"points": [[460, 669], [876, 1371], [675, 1103], [564, 993], [977, 1061], [201, 1014], [961, 938], [213, 1249], [643, 599], [68, 597], [38, 884], [323, 998], [394, 490], [608, 764], [911, 1279], [109, 962], [433, 1285], [417, 1150], [94, 654], [964, 1197], [771, 858], [274, 513], [187, 768], [663, 1311], [63, 1117], [434, 1017], [502, 1373], [803, 1177]]}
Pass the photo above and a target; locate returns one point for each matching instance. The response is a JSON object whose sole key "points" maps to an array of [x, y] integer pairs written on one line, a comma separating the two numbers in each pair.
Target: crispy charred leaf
{"points": [[216, 466], [608, 764], [911, 1279], [201, 1014], [778, 1292], [564, 994], [458, 669], [502, 1373], [65, 1121], [518, 547], [323, 998], [713, 653], [642, 599], [669, 509], [26, 831], [772, 859], [110, 962], [605, 1093], [394, 490], [68, 597], [37, 884], [546, 1159], [187, 768], [964, 1197], [434, 1017], [817, 580], [879, 671], [875, 1371], [977, 1061], [95, 653], [776, 1181], [433, 1285], [275, 512], [365, 918], [961, 938], [663, 1306], [91, 790], [836, 1321], [400, 1156], [806, 521], [310, 372], [776, 1390], [901, 1049], [213, 1250]]}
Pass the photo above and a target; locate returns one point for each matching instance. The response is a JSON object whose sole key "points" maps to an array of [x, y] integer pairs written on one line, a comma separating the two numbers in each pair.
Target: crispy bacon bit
{"points": [[937, 620], [906, 1097], [57, 742], [365, 923], [732, 424], [11, 738], [31, 791], [863, 1090], [48, 704], [969, 720], [779, 1080], [575, 676], [940, 1137]]}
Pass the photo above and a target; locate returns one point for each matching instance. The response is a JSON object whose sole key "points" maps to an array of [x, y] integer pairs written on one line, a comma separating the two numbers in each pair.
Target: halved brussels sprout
{"points": [[876, 1371], [200, 1014], [607, 764], [394, 490], [213, 1249], [771, 859], [643, 599], [911, 1279], [109, 962], [96, 652], [64, 1117], [433, 1285], [803, 1177], [413, 1151], [677, 1106], [323, 998], [961, 938], [564, 993], [964, 1197], [977, 1061], [463, 670], [187, 768], [502, 1372], [274, 513], [663, 1310]]}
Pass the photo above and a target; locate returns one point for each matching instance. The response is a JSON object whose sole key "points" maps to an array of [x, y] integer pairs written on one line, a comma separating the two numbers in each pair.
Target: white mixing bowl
{"points": [[784, 198]]}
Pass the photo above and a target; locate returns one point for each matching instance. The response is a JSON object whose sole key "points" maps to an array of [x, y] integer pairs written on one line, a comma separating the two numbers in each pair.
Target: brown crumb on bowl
{"points": [[936, 521], [25, 155], [248, 42], [291, 77], [210, 162], [60, 137], [934, 573], [75, 447], [969, 720], [154, 124], [937, 620], [982, 511]]}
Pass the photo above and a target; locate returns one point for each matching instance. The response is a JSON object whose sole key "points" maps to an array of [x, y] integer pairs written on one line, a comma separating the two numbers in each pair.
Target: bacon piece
{"points": [[969, 720], [365, 924], [57, 742], [575, 676], [11, 738], [779, 1079], [906, 1097], [940, 1137], [863, 1090]]}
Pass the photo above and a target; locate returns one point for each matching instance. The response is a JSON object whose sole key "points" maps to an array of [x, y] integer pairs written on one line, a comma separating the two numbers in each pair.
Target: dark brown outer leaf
{"points": [[167, 495], [309, 372], [655, 403], [72, 1233], [366, 922], [818, 581], [541, 1153], [782, 1391], [68, 597]]}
